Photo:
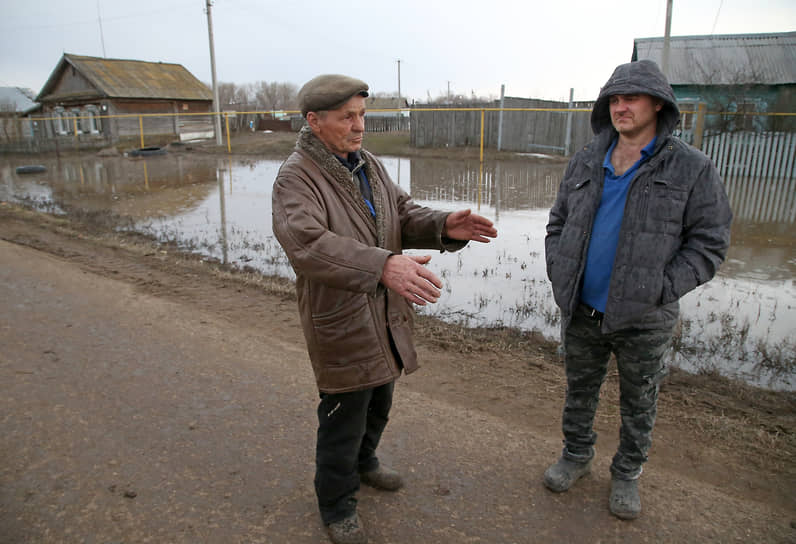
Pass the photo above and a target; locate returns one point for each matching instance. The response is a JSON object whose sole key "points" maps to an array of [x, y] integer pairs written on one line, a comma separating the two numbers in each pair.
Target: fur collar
{"points": [[320, 154]]}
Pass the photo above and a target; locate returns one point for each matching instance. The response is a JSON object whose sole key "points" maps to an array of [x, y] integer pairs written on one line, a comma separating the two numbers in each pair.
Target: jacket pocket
{"points": [[667, 205], [347, 334], [577, 194]]}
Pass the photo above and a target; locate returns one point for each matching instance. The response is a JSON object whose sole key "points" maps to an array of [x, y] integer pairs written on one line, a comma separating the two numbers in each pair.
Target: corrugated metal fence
{"points": [[758, 172]]}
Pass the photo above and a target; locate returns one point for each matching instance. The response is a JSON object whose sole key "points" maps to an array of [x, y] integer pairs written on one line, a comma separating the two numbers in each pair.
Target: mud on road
{"points": [[153, 396]]}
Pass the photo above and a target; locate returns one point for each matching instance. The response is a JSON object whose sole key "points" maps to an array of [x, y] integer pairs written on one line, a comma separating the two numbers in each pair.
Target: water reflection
{"points": [[136, 188], [222, 208], [506, 186]]}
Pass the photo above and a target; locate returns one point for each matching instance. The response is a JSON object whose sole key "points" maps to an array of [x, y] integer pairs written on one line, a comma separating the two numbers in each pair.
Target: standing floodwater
{"points": [[742, 323]]}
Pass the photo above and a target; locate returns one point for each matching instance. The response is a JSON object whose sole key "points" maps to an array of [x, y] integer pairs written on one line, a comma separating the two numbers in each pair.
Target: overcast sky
{"points": [[537, 49]]}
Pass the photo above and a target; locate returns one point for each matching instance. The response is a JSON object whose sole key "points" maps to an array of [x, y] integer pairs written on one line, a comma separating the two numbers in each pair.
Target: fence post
{"points": [[568, 136], [481, 162], [226, 120], [500, 117], [77, 141], [141, 129], [699, 127]]}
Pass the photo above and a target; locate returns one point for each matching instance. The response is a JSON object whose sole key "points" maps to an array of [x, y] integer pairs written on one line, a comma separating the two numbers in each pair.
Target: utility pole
{"points": [[667, 33], [399, 82], [398, 113], [500, 116], [568, 136], [217, 116]]}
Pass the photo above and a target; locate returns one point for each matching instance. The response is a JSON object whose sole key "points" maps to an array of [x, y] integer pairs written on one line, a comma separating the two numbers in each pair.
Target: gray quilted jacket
{"points": [[676, 226]]}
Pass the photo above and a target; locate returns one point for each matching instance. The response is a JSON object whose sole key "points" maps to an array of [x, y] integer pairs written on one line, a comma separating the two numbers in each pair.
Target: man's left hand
{"points": [[465, 225]]}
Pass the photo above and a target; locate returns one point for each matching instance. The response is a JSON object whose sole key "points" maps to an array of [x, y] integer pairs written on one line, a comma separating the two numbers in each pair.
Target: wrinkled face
{"points": [[634, 114], [341, 130]]}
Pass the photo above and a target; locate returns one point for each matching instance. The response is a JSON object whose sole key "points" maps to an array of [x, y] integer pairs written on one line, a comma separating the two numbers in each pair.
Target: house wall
{"points": [[110, 120], [124, 127], [179, 118], [750, 99], [60, 120], [71, 82]]}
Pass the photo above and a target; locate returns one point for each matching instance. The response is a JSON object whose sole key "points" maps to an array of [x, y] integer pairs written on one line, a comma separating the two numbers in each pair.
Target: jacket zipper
{"points": [[644, 208]]}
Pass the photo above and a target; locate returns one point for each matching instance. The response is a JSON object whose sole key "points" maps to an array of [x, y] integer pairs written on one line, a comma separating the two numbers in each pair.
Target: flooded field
{"points": [[742, 324]]}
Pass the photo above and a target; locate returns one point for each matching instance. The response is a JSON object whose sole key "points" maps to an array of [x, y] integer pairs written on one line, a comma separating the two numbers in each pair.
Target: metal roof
{"points": [[729, 59], [118, 78], [20, 99]]}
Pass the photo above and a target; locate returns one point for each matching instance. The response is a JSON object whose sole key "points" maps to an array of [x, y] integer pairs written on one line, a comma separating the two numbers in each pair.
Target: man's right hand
{"points": [[407, 276]]}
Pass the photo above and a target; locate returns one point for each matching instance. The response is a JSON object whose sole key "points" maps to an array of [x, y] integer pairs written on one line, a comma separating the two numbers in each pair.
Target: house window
{"points": [[688, 116], [60, 123], [75, 121], [92, 121]]}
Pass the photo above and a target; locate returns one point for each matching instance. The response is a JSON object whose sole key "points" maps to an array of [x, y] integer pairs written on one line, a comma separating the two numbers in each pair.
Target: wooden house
{"points": [[109, 99], [743, 74]]}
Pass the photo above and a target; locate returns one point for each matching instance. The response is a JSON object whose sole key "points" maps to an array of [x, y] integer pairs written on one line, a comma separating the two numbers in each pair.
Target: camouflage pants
{"points": [[639, 358]]}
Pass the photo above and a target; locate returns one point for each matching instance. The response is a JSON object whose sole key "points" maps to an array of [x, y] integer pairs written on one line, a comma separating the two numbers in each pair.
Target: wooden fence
{"points": [[386, 123], [546, 127]]}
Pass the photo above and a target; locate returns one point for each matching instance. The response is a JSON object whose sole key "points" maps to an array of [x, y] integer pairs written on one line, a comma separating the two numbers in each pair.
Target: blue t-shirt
{"points": [[605, 231]]}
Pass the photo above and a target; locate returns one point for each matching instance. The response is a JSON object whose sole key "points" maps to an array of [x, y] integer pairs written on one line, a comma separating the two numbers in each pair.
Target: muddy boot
{"points": [[383, 478], [347, 531], [625, 502], [561, 475]]}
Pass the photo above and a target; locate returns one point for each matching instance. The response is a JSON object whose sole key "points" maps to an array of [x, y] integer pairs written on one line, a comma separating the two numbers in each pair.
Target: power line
{"points": [[716, 20]]}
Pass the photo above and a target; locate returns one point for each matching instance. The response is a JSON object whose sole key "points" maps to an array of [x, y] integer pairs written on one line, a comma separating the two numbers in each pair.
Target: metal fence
{"points": [[758, 168], [550, 130], [758, 172], [92, 131], [70, 132]]}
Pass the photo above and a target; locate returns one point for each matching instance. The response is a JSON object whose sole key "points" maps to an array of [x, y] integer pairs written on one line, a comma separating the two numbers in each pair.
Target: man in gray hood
{"points": [[641, 218]]}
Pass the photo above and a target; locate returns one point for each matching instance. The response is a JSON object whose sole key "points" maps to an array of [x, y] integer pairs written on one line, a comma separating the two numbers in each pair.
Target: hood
{"points": [[640, 77]]}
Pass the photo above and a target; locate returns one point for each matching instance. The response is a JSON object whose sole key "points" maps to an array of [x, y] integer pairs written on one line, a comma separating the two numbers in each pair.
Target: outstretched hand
{"points": [[406, 275], [465, 225]]}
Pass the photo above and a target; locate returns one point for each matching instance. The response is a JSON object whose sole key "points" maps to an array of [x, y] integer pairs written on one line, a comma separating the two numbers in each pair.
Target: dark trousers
{"points": [[349, 430], [639, 359]]}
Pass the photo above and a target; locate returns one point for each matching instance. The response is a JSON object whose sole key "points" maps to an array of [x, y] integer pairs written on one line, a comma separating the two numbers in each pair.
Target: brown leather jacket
{"points": [[359, 334]]}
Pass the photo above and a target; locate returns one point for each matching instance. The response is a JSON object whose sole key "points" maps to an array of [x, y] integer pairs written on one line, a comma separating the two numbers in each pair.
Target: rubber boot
{"points": [[625, 502], [564, 473]]}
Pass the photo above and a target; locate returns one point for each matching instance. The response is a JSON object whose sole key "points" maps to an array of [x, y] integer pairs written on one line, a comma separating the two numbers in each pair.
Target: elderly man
{"points": [[641, 218], [344, 225]]}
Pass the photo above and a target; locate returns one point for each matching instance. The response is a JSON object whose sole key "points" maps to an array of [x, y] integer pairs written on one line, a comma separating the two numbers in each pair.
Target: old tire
{"points": [[147, 151], [31, 169]]}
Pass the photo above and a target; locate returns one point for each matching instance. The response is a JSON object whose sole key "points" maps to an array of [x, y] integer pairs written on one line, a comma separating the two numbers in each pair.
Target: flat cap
{"points": [[328, 91]]}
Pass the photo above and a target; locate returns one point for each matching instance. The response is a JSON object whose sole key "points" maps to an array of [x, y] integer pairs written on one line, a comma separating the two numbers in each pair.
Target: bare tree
{"points": [[737, 101], [275, 95], [460, 100]]}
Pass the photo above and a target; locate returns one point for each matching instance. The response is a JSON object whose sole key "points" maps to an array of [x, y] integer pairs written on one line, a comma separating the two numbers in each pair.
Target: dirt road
{"points": [[147, 396]]}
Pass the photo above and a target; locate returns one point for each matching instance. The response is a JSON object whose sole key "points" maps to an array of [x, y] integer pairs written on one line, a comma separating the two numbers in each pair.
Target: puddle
{"points": [[222, 208]]}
